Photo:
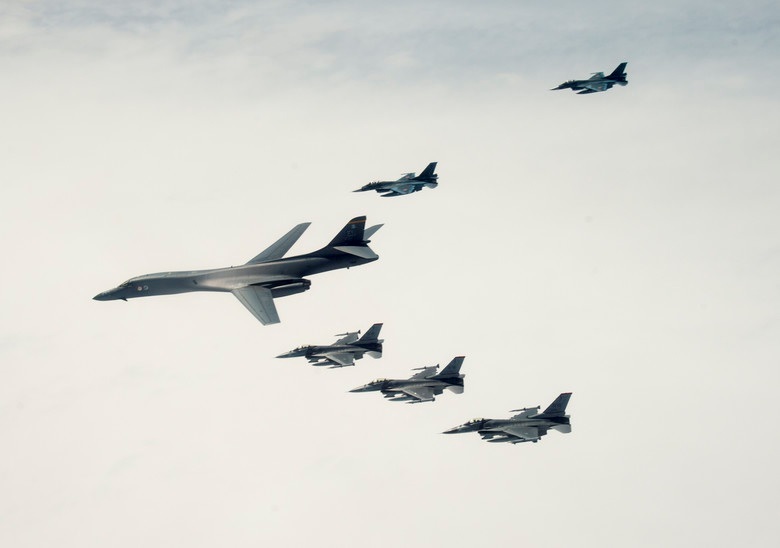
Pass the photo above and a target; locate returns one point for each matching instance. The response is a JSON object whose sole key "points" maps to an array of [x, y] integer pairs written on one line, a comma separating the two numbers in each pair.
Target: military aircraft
{"points": [[422, 386], [528, 425], [597, 82], [344, 351], [267, 276], [408, 183]]}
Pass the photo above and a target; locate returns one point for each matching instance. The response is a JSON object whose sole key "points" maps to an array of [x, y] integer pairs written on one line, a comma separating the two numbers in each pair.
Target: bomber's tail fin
{"points": [[453, 368], [372, 335], [620, 72], [351, 234], [352, 240], [558, 406], [428, 172]]}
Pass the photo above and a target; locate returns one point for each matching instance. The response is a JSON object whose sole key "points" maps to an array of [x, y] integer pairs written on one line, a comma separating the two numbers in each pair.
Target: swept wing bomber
{"points": [[597, 82], [528, 425], [408, 183], [422, 386], [343, 352], [267, 276]]}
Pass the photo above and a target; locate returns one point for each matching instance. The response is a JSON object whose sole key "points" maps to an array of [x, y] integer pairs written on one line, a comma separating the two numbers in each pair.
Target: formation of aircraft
{"points": [[343, 352], [408, 183], [422, 386], [270, 275], [597, 82], [528, 425], [265, 277]]}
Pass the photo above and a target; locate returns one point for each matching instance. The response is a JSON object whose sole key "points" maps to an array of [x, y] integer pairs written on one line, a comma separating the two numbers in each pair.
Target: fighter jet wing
{"points": [[342, 359], [421, 393], [406, 176], [404, 188], [425, 372], [260, 302], [348, 338], [594, 87], [523, 432]]}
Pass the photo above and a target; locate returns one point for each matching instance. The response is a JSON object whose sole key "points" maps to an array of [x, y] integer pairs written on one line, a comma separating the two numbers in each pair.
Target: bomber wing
{"points": [[260, 302], [280, 246]]}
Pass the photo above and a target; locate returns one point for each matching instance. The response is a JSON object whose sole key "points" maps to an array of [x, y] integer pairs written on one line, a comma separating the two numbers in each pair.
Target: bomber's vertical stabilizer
{"points": [[351, 234]]}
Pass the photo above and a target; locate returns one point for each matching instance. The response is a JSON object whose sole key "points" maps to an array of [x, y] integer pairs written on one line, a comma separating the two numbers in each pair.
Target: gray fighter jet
{"points": [[267, 276], [344, 351], [408, 183], [422, 386], [597, 82], [529, 425]]}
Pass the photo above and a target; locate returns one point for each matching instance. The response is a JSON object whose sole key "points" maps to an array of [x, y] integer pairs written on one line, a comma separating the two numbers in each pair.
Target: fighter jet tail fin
{"points": [[558, 406], [372, 335], [427, 173], [453, 368], [620, 72]]}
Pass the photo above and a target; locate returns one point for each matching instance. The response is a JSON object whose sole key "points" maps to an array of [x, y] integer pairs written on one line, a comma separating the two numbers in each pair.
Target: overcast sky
{"points": [[623, 246]]}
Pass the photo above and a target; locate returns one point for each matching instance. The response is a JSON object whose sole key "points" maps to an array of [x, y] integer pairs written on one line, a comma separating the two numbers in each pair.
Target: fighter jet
{"points": [[528, 425], [597, 82], [408, 183], [267, 276], [422, 386], [344, 351]]}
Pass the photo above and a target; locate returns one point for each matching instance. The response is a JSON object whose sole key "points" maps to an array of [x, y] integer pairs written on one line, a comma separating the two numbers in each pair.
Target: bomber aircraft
{"points": [[528, 425], [597, 82], [422, 386], [267, 276], [408, 183], [344, 351]]}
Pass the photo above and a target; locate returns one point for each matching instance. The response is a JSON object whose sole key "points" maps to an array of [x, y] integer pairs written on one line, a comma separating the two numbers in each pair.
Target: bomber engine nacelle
{"points": [[291, 288]]}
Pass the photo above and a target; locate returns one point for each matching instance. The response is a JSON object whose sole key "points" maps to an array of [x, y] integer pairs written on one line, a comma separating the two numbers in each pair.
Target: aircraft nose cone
{"points": [[110, 295]]}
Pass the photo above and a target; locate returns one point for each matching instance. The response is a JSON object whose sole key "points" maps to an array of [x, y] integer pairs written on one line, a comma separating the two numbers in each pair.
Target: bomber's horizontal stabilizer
{"points": [[362, 251], [370, 231]]}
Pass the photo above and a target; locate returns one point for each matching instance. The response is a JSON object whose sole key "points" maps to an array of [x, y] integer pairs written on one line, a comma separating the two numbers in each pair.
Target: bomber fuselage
{"points": [[276, 274]]}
